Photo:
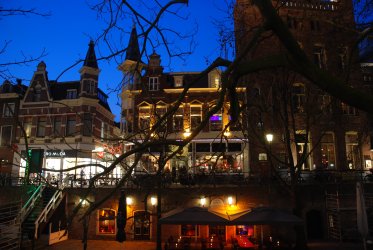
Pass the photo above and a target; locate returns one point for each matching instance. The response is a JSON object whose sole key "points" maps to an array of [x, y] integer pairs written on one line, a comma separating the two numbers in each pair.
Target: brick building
{"points": [[146, 99], [10, 97], [71, 121], [334, 134]]}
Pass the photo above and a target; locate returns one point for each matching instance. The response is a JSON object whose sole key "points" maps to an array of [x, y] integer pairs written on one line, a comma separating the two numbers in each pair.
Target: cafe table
{"points": [[244, 242]]}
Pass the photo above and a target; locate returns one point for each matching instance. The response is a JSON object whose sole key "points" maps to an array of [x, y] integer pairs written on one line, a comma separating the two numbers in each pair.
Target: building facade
{"points": [[10, 97], [332, 134], [218, 148], [71, 121]]}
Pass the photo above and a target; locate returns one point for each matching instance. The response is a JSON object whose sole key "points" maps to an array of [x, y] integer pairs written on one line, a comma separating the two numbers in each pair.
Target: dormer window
{"points": [[178, 81], [153, 83], [71, 94]]}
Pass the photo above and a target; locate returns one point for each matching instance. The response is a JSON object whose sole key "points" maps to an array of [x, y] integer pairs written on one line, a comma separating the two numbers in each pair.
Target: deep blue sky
{"points": [[66, 33]]}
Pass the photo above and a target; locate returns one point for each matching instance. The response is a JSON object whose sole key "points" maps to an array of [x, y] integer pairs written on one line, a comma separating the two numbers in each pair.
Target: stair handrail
{"points": [[52, 205], [29, 205]]}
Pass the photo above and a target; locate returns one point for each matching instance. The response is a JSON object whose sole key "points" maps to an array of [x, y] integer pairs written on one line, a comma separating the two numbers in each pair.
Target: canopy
{"points": [[266, 216], [193, 216]]}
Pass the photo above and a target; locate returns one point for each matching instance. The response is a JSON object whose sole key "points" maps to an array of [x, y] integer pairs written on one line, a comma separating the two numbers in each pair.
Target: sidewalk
{"points": [[150, 245]]}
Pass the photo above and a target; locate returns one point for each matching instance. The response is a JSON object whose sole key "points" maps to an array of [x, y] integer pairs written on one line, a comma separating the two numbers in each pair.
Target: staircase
{"points": [[29, 225], [333, 216], [44, 201]]}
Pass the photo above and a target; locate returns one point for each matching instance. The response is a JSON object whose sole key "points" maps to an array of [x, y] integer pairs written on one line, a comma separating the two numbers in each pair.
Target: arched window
{"points": [[144, 116]]}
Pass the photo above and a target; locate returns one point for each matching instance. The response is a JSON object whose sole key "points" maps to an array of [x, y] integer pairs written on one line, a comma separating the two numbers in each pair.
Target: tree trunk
{"points": [[301, 241]]}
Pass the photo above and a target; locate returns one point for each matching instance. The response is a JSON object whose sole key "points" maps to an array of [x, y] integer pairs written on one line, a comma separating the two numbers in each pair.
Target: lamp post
{"points": [[269, 138]]}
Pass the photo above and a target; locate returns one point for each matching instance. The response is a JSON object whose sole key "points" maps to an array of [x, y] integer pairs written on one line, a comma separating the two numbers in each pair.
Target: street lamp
{"points": [[230, 200], [269, 138], [153, 201], [129, 201], [203, 201]]}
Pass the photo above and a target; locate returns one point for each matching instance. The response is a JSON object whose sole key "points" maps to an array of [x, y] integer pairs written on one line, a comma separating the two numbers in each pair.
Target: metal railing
{"points": [[218, 178], [10, 227], [50, 207], [313, 5], [30, 204]]}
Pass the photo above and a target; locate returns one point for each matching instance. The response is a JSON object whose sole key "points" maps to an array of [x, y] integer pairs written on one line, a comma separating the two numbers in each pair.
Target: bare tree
{"points": [[5, 72]]}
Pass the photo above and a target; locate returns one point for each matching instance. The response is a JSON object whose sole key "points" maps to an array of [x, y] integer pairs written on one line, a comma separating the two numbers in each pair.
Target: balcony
{"points": [[322, 5], [141, 179]]}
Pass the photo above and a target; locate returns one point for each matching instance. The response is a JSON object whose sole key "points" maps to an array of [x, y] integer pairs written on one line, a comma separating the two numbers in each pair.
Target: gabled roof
{"points": [[133, 50], [90, 59], [8, 87]]}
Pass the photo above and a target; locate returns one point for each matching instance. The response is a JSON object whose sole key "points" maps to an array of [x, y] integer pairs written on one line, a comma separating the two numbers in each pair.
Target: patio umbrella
{"points": [[267, 216], [193, 216], [121, 218]]}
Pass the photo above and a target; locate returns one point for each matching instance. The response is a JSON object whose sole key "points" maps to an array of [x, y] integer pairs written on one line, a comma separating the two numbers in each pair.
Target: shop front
{"points": [[75, 167]]}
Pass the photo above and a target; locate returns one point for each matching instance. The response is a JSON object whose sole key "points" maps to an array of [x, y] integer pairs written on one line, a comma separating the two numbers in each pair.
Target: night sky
{"points": [[65, 35]]}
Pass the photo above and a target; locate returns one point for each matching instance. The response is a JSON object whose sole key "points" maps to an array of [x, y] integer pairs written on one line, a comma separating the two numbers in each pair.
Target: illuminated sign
{"points": [[54, 153]]}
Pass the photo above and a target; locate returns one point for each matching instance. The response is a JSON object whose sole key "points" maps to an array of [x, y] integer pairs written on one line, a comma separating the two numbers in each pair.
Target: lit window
{"points": [[27, 125], [217, 82], [144, 117], [8, 110], [189, 230], [178, 81], [6, 135], [216, 121], [195, 116], [352, 149], [153, 83], [160, 111], [178, 119], [217, 230], [106, 221], [327, 151], [303, 148]]}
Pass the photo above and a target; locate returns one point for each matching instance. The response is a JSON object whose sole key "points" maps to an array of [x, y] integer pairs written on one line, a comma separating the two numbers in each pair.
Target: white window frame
{"points": [[326, 144], [153, 83], [145, 116], [71, 94], [8, 110]]}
